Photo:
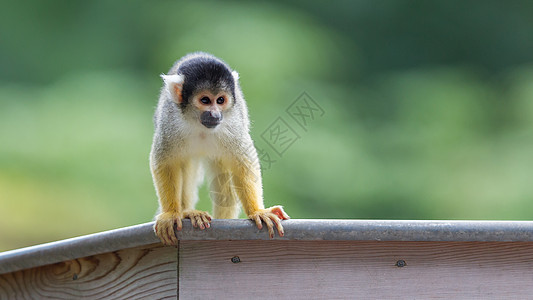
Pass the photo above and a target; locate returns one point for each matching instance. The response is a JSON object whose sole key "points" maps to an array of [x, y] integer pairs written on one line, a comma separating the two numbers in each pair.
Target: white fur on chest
{"points": [[203, 144]]}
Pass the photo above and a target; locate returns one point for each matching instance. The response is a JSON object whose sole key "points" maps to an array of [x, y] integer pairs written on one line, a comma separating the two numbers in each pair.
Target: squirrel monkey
{"points": [[201, 121]]}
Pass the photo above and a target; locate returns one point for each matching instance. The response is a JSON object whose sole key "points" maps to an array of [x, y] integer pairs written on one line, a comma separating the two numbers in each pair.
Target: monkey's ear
{"points": [[174, 84], [235, 76]]}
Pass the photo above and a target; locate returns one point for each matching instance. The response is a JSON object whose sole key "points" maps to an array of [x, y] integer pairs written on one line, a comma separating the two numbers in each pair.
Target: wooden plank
{"points": [[134, 273], [355, 269], [346, 230], [88, 245]]}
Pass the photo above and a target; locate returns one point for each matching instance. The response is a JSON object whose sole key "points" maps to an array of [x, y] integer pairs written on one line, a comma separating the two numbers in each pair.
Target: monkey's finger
{"points": [[199, 221], [258, 222], [284, 215], [277, 221], [170, 232], [161, 233], [269, 225], [170, 235], [193, 221], [164, 238], [157, 230], [278, 211], [206, 219], [173, 238], [179, 224]]}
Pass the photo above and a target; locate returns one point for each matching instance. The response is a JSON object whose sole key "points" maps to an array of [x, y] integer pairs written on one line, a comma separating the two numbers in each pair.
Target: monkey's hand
{"points": [[270, 216], [164, 227], [198, 218]]}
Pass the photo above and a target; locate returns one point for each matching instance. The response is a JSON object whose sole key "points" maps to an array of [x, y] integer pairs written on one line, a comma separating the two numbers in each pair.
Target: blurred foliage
{"points": [[428, 107]]}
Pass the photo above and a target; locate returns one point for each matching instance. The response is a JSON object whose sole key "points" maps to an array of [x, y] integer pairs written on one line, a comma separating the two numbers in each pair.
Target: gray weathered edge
{"points": [[355, 230]]}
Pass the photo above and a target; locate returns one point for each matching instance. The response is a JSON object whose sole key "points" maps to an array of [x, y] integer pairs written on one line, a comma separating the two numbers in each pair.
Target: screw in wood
{"points": [[401, 263], [235, 259]]}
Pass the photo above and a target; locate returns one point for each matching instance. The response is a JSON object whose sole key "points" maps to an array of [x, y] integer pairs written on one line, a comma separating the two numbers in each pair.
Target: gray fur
{"points": [[173, 126]]}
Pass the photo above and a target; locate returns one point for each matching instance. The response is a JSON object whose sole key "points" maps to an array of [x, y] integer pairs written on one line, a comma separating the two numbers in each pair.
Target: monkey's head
{"points": [[204, 89]]}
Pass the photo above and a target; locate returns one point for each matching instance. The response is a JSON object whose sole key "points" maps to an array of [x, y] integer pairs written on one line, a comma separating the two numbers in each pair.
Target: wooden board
{"points": [[249, 269], [135, 273], [355, 269]]}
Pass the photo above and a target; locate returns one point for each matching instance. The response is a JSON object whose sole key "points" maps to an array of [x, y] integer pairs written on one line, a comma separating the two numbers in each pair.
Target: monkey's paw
{"points": [[270, 216], [198, 218], [164, 227]]}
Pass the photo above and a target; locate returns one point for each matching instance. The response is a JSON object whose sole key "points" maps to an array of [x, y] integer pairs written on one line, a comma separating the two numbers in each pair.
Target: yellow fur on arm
{"points": [[247, 182], [168, 186]]}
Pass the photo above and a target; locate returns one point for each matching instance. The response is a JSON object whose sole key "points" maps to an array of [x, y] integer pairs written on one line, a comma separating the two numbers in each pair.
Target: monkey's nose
{"points": [[211, 119]]}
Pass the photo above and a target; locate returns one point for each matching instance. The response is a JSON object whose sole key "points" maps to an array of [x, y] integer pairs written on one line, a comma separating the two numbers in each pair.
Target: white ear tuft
{"points": [[173, 84], [169, 79], [235, 75]]}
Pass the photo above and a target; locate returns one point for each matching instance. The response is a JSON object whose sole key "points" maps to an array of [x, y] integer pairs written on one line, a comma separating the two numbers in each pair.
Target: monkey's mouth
{"points": [[210, 124], [210, 119]]}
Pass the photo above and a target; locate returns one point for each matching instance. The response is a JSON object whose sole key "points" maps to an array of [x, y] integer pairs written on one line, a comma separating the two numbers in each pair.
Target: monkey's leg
{"points": [[222, 192], [168, 183], [192, 177], [248, 186]]}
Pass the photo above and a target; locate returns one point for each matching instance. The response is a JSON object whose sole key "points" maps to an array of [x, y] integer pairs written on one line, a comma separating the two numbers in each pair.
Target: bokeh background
{"points": [[427, 107]]}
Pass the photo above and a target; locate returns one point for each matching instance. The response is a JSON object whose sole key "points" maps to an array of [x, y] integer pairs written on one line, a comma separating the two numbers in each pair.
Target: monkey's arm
{"points": [[168, 183], [247, 181], [191, 178]]}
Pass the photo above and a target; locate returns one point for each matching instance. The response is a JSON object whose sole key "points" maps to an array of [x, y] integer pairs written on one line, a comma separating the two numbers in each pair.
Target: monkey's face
{"points": [[211, 106]]}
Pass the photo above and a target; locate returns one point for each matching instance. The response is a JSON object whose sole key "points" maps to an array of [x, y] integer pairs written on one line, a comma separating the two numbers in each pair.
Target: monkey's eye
{"points": [[205, 100], [220, 100]]}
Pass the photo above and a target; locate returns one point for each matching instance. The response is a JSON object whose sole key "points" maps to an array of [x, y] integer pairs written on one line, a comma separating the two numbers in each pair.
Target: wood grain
{"points": [[286, 269], [135, 273], [355, 269]]}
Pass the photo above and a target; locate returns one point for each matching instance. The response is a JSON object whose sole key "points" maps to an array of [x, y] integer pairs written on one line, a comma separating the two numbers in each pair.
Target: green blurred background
{"points": [[428, 107]]}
